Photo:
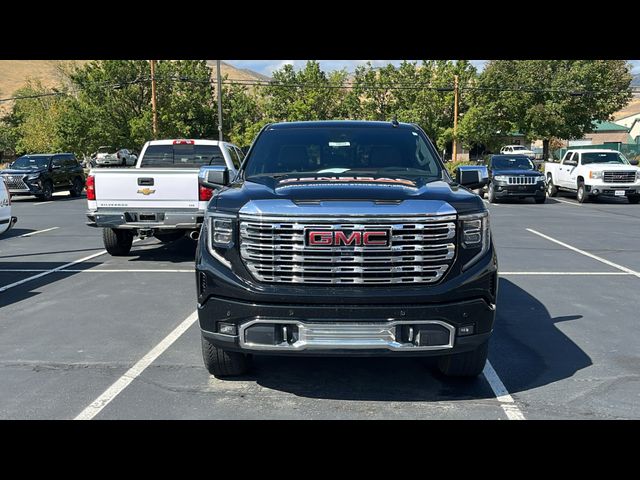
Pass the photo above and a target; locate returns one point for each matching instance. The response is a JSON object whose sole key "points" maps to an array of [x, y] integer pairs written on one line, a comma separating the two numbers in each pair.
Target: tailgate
{"points": [[147, 188]]}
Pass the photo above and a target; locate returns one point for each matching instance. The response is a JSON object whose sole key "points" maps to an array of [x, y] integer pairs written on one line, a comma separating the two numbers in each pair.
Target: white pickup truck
{"points": [[594, 172], [160, 197]]}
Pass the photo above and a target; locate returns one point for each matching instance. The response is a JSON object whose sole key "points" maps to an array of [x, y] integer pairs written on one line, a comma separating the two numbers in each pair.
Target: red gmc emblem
{"points": [[347, 238]]}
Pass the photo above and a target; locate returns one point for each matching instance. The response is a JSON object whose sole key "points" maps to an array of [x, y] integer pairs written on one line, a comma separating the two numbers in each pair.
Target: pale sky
{"points": [[266, 67]]}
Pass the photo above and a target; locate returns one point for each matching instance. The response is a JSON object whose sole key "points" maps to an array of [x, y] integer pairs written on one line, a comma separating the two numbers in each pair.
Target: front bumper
{"points": [[504, 190], [353, 330], [146, 219], [611, 189]]}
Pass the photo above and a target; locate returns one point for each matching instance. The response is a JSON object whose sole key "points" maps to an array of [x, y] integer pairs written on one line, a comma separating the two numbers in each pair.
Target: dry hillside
{"points": [[14, 74]]}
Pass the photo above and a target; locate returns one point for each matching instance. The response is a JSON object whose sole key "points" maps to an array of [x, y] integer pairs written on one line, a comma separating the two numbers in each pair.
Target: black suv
{"points": [[514, 176], [43, 174]]}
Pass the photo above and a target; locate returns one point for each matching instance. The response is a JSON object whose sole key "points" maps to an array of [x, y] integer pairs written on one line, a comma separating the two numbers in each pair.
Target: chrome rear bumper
{"points": [[296, 336]]}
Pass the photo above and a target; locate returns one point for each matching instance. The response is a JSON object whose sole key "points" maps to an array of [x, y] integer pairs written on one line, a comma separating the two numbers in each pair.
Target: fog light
{"points": [[595, 190], [227, 328], [466, 330]]}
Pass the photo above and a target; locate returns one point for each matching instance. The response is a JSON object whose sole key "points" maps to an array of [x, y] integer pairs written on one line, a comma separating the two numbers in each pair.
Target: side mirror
{"points": [[634, 162], [472, 177], [213, 176]]}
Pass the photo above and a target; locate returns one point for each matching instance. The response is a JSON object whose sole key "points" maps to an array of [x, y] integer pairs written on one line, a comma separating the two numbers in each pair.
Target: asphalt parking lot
{"points": [[85, 334]]}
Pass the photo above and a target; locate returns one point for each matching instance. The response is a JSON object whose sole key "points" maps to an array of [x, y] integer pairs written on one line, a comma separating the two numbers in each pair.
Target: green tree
{"points": [[32, 125], [544, 98], [307, 94], [112, 103]]}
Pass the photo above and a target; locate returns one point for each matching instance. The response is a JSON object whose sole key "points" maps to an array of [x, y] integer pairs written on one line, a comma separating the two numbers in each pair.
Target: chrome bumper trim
{"points": [[345, 336]]}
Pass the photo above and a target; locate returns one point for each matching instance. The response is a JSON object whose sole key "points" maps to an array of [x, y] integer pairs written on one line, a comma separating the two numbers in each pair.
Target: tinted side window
{"points": [[70, 161], [240, 154], [234, 156], [57, 162]]}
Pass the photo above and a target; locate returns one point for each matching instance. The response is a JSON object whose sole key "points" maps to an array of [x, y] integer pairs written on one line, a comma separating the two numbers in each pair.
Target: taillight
{"points": [[184, 142], [91, 187], [205, 193]]}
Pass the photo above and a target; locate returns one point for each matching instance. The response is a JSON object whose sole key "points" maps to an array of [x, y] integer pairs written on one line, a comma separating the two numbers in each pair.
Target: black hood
{"points": [[234, 197], [515, 172], [22, 171]]}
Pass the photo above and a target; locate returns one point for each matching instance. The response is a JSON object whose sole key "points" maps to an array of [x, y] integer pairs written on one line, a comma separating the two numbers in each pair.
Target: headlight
{"points": [[501, 178], [222, 231], [33, 176], [593, 174], [540, 178], [219, 231], [475, 235]]}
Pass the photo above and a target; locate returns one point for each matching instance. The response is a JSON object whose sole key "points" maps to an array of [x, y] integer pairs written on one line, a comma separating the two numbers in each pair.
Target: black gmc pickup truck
{"points": [[345, 238]]}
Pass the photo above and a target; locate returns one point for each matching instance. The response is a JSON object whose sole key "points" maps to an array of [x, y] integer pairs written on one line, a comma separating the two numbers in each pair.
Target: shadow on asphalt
{"points": [[30, 289], [20, 255], [179, 251], [55, 198], [15, 232], [527, 350]]}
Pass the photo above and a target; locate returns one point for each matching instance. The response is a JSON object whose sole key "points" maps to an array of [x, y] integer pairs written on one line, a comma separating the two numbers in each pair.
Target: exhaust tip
{"points": [[195, 235]]}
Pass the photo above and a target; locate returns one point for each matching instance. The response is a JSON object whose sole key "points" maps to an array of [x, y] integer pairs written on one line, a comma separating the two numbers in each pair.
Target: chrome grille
{"points": [[522, 180], [15, 182], [619, 177], [421, 250]]}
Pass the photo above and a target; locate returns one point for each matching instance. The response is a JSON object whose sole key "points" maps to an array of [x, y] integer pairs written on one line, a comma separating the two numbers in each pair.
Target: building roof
{"points": [[608, 127]]}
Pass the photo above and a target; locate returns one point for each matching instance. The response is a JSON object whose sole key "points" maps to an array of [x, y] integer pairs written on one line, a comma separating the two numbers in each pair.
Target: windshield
{"points": [[104, 149], [334, 150], [603, 157], [521, 163], [181, 156], [31, 162]]}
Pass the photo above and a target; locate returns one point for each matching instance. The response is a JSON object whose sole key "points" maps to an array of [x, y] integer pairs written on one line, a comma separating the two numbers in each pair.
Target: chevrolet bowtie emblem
{"points": [[146, 191]]}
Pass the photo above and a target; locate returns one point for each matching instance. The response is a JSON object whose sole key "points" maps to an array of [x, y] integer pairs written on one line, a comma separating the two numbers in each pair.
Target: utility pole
{"points": [[455, 118], [154, 108], [219, 100]]}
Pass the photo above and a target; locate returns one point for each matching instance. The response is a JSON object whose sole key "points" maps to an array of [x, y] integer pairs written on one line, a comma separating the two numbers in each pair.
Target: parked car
{"points": [[109, 156], [160, 197], [594, 172], [345, 238], [43, 174], [517, 150], [6, 220], [514, 176]]}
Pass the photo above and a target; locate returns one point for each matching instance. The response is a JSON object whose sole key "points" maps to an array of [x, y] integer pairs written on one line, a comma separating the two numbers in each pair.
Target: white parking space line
{"points": [[575, 204], [101, 270], [586, 254], [43, 203], [564, 273], [39, 231], [503, 396], [130, 375], [57, 269]]}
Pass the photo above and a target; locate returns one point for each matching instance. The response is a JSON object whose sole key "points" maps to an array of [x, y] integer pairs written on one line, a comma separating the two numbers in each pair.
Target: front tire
{"points": [[634, 199], [117, 242], [47, 192], [491, 194], [76, 188], [581, 194], [540, 200], [466, 364], [552, 190], [223, 363]]}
